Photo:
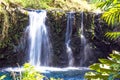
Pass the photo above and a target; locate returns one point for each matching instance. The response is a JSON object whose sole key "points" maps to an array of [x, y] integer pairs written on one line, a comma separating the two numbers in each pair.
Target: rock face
{"points": [[13, 47], [11, 29]]}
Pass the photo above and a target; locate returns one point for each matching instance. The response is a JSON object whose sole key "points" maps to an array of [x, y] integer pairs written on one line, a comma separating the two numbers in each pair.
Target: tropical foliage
{"points": [[112, 11], [66, 5], [33, 4], [108, 69], [111, 15], [112, 35], [30, 73]]}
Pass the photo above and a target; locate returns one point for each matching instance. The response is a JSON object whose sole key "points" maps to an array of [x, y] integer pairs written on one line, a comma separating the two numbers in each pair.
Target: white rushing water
{"points": [[45, 69], [86, 51], [39, 45], [83, 42], [70, 19]]}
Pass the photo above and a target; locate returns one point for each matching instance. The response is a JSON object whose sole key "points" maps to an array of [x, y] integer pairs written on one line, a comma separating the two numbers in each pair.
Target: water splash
{"points": [[70, 20], [39, 45]]}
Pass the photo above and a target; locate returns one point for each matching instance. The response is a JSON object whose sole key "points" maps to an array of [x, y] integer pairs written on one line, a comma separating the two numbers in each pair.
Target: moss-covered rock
{"points": [[11, 29]]}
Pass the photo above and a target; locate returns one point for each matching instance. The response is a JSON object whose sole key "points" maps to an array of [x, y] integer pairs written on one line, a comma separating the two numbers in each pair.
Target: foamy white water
{"points": [[43, 69], [40, 50], [69, 52]]}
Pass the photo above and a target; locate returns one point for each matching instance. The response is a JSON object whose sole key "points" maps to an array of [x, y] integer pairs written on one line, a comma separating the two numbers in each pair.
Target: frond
{"points": [[107, 69], [112, 11], [112, 35], [112, 16], [106, 4]]}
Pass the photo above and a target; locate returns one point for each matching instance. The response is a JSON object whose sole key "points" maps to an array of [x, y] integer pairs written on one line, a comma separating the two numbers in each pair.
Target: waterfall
{"points": [[83, 39], [70, 19], [39, 45], [86, 50], [83, 42]]}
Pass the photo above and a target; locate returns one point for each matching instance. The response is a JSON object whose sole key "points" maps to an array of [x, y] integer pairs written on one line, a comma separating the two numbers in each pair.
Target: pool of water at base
{"points": [[63, 74]]}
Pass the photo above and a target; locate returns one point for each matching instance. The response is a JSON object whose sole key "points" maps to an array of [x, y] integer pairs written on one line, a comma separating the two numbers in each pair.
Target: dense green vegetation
{"points": [[30, 73], [112, 11], [108, 69], [111, 15], [67, 5]]}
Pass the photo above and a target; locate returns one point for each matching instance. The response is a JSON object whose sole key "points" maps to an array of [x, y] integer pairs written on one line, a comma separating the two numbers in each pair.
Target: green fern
{"points": [[112, 35], [107, 4], [107, 69], [112, 11], [111, 15]]}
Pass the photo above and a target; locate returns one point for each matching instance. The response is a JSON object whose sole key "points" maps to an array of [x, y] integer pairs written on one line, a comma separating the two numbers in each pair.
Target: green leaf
{"points": [[112, 35], [107, 69], [95, 75], [107, 62], [115, 56], [95, 66], [2, 77]]}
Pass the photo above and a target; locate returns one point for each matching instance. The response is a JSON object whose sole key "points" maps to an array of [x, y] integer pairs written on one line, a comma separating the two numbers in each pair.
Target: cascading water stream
{"points": [[39, 45], [83, 42], [70, 19]]}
